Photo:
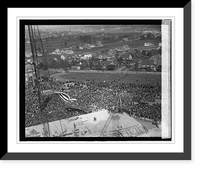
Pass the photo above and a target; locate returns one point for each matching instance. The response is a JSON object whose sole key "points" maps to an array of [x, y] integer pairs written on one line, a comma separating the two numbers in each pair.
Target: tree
{"points": [[61, 64], [149, 54], [142, 37], [158, 69], [39, 49], [160, 50], [54, 63], [150, 36], [117, 56], [120, 60], [110, 67], [144, 52], [136, 65]]}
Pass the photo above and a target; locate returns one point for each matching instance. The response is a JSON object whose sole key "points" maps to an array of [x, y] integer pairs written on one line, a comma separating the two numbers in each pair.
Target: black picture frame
{"points": [[186, 155], [22, 23]]}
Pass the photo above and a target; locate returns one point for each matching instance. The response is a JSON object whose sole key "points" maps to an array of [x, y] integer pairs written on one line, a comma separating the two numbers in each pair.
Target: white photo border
{"points": [[176, 14]]}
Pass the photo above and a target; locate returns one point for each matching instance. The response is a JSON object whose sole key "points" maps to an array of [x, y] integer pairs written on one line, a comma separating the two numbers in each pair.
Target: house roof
{"points": [[156, 59], [125, 55], [147, 62], [105, 62], [148, 47], [29, 67], [132, 64], [139, 55]]}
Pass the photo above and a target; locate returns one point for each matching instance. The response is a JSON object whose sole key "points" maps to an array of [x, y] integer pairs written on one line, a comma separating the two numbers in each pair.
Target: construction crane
{"points": [[34, 36]]}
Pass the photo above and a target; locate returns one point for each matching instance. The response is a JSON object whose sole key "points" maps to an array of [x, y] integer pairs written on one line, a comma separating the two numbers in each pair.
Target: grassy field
{"points": [[47, 72], [132, 43], [107, 46], [130, 78]]}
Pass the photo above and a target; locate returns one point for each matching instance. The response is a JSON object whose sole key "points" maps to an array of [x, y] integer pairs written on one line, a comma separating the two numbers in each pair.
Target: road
{"points": [[120, 69], [110, 72], [114, 72], [125, 77]]}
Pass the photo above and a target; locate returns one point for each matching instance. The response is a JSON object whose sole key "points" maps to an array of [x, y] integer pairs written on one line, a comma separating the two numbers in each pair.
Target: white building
{"points": [[68, 51], [62, 57], [57, 51], [99, 44], [29, 72], [148, 44], [86, 56], [130, 57], [28, 54]]}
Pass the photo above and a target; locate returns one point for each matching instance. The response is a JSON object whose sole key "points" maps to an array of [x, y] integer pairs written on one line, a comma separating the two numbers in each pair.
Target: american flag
{"points": [[65, 97]]}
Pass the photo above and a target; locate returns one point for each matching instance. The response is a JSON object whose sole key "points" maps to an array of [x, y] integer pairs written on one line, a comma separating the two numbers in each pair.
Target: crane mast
{"points": [[32, 36]]}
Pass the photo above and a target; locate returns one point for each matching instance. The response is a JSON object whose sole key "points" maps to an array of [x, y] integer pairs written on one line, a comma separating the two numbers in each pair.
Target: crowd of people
{"points": [[91, 96]]}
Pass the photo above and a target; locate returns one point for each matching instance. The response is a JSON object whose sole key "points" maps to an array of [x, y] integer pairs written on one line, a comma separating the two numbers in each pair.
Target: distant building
{"points": [[89, 46], [111, 66], [130, 57], [141, 48], [76, 67], [138, 55], [51, 45], [86, 56], [28, 54], [148, 44], [29, 72], [125, 56], [156, 59], [29, 60], [111, 52], [29, 68], [131, 65], [80, 47], [57, 50], [103, 56], [63, 51], [147, 64], [67, 51], [125, 39], [122, 48], [99, 44], [105, 63], [62, 57]]}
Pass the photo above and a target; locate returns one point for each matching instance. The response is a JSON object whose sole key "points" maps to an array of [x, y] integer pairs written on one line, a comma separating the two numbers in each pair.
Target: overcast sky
{"points": [[71, 27]]}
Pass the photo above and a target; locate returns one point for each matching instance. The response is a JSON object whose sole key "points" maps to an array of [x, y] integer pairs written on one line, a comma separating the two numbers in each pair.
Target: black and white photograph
{"points": [[98, 84], [96, 80]]}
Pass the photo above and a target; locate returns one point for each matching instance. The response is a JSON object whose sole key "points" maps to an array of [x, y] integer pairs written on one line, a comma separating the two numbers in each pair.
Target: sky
{"points": [[68, 27]]}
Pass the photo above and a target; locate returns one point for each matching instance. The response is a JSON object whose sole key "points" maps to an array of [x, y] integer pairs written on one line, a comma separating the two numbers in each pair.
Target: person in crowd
{"points": [[92, 96]]}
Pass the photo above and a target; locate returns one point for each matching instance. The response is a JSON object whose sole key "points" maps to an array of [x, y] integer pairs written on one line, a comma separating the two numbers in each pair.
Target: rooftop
{"points": [[139, 55], [147, 62]]}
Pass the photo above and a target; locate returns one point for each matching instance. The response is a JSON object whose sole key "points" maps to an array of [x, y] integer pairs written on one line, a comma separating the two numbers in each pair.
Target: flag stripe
{"points": [[65, 97], [63, 94]]}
